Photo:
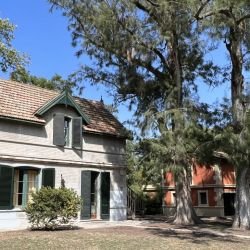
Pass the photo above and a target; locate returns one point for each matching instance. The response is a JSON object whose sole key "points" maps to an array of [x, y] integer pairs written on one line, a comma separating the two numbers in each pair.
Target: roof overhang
{"points": [[66, 99]]}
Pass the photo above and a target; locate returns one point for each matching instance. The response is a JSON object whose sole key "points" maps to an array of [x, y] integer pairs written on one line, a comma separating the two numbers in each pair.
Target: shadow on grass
{"points": [[222, 225], [199, 238], [61, 228]]}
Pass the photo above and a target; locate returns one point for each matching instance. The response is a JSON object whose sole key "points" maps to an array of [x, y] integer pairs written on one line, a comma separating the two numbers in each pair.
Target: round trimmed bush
{"points": [[51, 208]]}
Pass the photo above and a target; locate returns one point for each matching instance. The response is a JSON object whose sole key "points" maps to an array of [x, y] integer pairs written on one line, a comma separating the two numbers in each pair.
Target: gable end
{"points": [[66, 99]]}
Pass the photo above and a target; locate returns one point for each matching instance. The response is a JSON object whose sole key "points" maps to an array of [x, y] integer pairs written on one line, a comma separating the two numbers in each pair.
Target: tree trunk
{"points": [[185, 213], [242, 204], [242, 201], [237, 79]]}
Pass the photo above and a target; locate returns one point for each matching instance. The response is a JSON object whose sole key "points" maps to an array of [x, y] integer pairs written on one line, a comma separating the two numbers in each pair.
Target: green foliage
{"points": [[10, 58], [56, 82], [130, 43], [135, 179], [50, 208], [235, 146]]}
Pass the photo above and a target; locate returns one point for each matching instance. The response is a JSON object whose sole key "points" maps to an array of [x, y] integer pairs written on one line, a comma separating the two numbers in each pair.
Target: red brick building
{"points": [[212, 187]]}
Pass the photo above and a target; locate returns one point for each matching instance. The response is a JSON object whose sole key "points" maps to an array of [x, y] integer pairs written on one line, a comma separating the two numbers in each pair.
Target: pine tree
{"points": [[229, 21], [150, 53]]}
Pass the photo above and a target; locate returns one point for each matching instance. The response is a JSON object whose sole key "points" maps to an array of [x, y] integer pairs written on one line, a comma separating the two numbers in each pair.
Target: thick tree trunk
{"points": [[242, 204], [185, 213]]}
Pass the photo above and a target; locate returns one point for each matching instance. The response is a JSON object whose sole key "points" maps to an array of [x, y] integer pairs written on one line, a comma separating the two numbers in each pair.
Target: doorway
{"points": [[229, 199], [95, 192]]}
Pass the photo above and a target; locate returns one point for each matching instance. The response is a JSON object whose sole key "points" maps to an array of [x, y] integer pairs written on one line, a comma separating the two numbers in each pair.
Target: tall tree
{"points": [[150, 53], [10, 58], [229, 21]]}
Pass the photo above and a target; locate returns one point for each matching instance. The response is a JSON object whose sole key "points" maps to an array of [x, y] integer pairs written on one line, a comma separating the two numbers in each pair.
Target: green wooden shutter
{"points": [[77, 132], [6, 185], [105, 195], [86, 194], [48, 177], [58, 130]]}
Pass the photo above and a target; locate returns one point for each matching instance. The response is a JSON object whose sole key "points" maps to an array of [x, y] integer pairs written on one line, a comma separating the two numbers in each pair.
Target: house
{"points": [[46, 137], [212, 190]]}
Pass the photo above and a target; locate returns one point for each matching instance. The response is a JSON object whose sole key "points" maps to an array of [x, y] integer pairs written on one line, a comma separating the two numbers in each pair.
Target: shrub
{"points": [[51, 208]]}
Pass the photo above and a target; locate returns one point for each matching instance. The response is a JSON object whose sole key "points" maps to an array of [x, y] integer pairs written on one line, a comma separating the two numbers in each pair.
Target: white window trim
{"points": [[199, 198], [173, 198], [70, 131]]}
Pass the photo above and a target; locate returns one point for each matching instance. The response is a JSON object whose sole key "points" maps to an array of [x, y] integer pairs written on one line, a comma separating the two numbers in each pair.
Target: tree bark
{"points": [[185, 213], [242, 204], [242, 201], [237, 79]]}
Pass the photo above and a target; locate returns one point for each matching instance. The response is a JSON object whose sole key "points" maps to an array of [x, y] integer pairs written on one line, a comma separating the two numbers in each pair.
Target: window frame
{"points": [[25, 181], [199, 198], [69, 136], [68, 140], [173, 198]]}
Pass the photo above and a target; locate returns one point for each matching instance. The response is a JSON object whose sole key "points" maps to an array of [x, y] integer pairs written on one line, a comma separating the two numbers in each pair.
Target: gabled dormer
{"points": [[67, 131]]}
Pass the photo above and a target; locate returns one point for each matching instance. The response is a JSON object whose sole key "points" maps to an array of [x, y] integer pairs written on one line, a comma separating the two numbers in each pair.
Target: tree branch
{"points": [[225, 12], [153, 3], [242, 19], [153, 49], [145, 9], [203, 5]]}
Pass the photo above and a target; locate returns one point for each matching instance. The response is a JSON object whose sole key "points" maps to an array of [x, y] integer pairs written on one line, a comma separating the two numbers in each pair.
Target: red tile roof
{"points": [[21, 101]]}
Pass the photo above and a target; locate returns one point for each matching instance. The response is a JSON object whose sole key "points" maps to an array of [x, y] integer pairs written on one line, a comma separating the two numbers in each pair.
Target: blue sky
{"points": [[45, 38]]}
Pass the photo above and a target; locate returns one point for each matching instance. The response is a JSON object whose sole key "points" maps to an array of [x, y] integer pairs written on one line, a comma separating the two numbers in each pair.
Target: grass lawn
{"points": [[116, 238]]}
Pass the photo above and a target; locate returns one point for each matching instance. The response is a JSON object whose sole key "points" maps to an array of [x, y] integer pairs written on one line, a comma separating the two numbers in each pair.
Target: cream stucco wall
{"points": [[23, 144], [35, 142]]}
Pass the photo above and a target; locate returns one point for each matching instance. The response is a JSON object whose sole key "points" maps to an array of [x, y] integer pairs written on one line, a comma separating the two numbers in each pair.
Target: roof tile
{"points": [[21, 101]]}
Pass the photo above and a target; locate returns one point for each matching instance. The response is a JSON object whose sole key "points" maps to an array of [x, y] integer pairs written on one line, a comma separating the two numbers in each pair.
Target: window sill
{"points": [[203, 205], [16, 209]]}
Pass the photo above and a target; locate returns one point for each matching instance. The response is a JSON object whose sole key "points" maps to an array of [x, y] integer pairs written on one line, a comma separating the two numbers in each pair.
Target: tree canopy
{"points": [[153, 53], [10, 58], [56, 82]]}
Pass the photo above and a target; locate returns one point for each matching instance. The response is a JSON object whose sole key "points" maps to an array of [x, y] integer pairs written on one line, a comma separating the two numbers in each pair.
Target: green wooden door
{"points": [[105, 195], [86, 194]]}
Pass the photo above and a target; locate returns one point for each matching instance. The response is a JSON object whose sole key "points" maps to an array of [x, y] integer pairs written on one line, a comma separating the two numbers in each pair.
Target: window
{"points": [[25, 182], [67, 131], [17, 184], [203, 198], [173, 198]]}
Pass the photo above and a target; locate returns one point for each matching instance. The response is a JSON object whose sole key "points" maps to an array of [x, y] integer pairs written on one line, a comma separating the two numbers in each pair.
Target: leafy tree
{"points": [[10, 58], [56, 82], [142, 167], [150, 53], [229, 21]]}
